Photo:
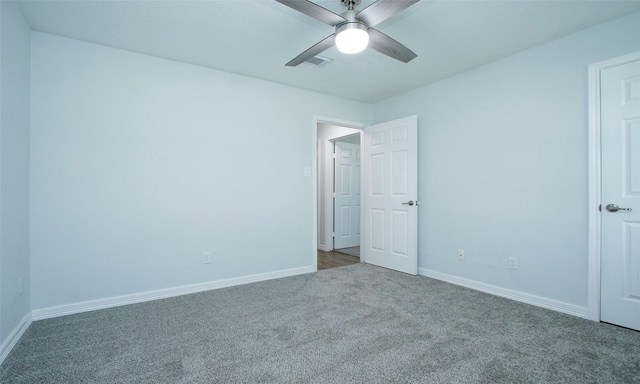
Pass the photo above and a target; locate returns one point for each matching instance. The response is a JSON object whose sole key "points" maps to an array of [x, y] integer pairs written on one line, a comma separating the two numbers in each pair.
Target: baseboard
{"points": [[15, 336], [538, 301], [86, 306], [324, 248]]}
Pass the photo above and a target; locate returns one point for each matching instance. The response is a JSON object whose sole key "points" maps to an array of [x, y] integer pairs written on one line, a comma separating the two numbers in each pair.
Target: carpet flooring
{"points": [[355, 324]]}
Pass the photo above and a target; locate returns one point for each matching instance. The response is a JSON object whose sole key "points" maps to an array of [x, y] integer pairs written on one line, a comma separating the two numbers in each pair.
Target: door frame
{"points": [[314, 175], [595, 180]]}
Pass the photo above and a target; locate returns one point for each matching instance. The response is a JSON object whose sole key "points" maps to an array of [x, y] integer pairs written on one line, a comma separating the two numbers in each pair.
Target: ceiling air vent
{"points": [[319, 60]]}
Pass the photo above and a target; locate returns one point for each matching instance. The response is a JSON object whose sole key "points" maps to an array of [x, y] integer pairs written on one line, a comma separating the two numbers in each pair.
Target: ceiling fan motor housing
{"points": [[350, 15], [356, 24]]}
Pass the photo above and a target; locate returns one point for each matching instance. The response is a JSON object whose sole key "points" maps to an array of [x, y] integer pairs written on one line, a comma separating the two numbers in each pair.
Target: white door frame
{"points": [[595, 179], [314, 175]]}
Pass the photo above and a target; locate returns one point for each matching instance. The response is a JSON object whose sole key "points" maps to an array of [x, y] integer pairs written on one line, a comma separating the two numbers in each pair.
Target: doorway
{"points": [[328, 134], [389, 174]]}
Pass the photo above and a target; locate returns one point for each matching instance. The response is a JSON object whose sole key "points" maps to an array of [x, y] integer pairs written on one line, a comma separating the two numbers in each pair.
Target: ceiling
{"points": [[257, 37]]}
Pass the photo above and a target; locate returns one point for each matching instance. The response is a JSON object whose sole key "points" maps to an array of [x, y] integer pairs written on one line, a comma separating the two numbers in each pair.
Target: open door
{"points": [[620, 164], [390, 195]]}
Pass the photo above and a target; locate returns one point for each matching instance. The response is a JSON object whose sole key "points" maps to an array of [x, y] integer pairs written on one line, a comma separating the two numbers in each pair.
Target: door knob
{"points": [[409, 203], [615, 208]]}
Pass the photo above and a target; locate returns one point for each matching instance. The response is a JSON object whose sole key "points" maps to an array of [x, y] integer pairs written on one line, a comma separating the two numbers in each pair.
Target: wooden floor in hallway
{"points": [[332, 259]]}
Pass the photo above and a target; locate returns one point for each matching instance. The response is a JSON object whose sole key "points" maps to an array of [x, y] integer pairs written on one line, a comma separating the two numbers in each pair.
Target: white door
{"points": [[620, 261], [390, 194], [347, 195]]}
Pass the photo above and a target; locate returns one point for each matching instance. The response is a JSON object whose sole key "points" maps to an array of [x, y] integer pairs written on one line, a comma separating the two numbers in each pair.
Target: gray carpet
{"points": [[356, 324], [353, 251]]}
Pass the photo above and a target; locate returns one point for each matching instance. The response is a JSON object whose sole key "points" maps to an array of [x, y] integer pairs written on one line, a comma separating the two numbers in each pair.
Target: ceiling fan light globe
{"points": [[352, 40]]}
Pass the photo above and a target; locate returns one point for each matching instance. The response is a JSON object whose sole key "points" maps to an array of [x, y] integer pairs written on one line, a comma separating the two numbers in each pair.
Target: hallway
{"points": [[334, 259]]}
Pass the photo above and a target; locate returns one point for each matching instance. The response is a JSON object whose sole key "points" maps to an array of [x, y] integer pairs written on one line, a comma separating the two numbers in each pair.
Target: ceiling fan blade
{"points": [[390, 47], [315, 50], [315, 11], [381, 10]]}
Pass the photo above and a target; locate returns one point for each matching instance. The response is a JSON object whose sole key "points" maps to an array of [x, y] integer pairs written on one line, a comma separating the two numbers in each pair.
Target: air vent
{"points": [[319, 60]]}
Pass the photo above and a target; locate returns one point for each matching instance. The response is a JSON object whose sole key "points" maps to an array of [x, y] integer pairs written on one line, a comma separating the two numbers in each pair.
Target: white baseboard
{"points": [[14, 336], [324, 248], [539, 301], [86, 306]]}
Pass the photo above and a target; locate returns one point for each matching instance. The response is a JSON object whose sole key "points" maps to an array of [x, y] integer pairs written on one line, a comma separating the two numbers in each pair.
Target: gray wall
{"points": [[14, 169], [140, 164], [504, 161]]}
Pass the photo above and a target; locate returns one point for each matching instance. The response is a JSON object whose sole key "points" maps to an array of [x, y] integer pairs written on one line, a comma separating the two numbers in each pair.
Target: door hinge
{"points": [[333, 155], [600, 207]]}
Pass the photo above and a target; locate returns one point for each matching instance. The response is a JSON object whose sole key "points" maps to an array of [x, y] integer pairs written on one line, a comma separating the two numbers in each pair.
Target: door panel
{"points": [[620, 130], [390, 163], [347, 195], [400, 227], [377, 229]]}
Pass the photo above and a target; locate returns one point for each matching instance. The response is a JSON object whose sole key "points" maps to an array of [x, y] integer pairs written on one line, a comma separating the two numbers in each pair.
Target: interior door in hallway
{"points": [[390, 195], [620, 139], [347, 195]]}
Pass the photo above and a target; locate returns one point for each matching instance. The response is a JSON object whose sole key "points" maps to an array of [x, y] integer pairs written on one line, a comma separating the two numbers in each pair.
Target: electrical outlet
{"points": [[513, 263], [206, 258], [461, 254]]}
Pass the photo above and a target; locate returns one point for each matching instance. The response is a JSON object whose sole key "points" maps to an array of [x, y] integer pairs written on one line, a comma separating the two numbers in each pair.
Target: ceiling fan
{"points": [[353, 30]]}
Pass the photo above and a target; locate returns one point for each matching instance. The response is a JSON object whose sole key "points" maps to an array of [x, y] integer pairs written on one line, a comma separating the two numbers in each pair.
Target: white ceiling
{"points": [[257, 37]]}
